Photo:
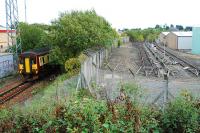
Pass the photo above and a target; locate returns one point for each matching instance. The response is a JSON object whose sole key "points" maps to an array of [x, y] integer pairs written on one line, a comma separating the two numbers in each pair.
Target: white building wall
{"points": [[184, 42]]}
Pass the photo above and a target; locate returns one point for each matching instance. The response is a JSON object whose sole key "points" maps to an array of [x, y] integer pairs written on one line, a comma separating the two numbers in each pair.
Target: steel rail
{"points": [[9, 94], [145, 57], [181, 61]]}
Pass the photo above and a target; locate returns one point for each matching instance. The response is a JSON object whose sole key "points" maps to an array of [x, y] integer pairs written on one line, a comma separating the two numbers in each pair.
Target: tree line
{"points": [[141, 35]]}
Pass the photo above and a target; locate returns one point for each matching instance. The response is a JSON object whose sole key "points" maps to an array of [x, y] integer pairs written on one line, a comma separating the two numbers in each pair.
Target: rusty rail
{"points": [[14, 91]]}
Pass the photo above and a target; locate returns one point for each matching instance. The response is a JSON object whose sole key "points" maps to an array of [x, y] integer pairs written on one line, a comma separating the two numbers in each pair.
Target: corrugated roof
{"points": [[183, 33], [165, 33]]}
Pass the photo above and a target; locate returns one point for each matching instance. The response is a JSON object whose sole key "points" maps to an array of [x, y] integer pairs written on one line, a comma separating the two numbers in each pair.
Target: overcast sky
{"points": [[120, 13]]}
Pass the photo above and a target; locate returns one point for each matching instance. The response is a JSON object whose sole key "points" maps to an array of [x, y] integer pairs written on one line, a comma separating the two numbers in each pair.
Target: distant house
{"points": [[179, 40], [4, 38], [162, 37]]}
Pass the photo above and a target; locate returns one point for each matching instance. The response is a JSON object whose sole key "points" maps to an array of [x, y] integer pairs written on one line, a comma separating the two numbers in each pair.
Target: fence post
{"points": [[166, 91]]}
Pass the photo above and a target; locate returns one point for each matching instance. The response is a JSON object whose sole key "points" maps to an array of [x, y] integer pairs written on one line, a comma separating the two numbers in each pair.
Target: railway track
{"points": [[157, 61], [13, 91], [183, 62], [146, 62]]}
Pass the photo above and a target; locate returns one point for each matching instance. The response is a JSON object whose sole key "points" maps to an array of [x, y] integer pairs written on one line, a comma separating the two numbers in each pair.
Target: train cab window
{"points": [[33, 61], [21, 61]]}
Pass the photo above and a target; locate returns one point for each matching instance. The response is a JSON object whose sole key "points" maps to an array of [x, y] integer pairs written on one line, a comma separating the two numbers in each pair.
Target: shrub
{"points": [[180, 116], [83, 113], [72, 66]]}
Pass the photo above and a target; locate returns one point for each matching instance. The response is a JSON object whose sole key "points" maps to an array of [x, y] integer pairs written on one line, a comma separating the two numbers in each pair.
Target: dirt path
{"points": [[124, 58]]}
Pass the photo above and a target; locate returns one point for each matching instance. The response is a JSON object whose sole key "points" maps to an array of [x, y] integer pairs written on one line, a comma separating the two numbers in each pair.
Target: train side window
{"points": [[40, 59], [43, 60], [47, 58]]}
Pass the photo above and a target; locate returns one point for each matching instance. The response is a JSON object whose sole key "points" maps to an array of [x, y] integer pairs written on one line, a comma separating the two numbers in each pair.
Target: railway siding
{"points": [[189, 66]]}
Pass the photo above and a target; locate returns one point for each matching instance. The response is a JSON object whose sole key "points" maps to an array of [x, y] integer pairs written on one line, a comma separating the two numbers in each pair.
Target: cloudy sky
{"points": [[120, 13]]}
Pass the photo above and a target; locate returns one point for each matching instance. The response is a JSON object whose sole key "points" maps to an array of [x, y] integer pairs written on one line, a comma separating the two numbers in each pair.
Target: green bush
{"points": [[83, 113], [76, 31], [72, 66], [180, 116]]}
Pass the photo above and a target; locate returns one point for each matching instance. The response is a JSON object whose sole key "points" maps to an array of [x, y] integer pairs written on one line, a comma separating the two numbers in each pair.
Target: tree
{"points": [[157, 26], [179, 27], [140, 38], [149, 34], [188, 28], [76, 31], [32, 36], [167, 28]]}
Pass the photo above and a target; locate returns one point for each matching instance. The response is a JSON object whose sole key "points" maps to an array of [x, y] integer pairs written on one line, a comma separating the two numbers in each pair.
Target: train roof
{"points": [[40, 51]]}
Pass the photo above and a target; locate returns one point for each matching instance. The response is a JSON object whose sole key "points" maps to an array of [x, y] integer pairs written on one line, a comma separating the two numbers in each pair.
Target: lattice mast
{"points": [[12, 22]]}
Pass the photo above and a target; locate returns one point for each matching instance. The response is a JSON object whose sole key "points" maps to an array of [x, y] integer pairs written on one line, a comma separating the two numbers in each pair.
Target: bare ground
{"points": [[126, 57]]}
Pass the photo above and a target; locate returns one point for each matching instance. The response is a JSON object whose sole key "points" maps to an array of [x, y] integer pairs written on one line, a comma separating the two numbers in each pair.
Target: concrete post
{"points": [[166, 91]]}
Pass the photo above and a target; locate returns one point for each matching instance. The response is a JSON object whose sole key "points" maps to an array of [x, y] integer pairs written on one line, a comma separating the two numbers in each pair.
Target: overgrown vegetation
{"points": [[82, 112], [33, 36], [72, 65], [139, 35], [76, 31], [69, 35]]}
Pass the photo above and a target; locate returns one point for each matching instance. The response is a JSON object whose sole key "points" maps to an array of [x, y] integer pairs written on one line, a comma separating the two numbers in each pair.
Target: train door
{"points": [[27, 65]]}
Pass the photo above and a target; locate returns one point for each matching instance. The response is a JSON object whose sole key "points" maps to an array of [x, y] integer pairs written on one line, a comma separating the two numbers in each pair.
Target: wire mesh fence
{"points": [[105, 79]]}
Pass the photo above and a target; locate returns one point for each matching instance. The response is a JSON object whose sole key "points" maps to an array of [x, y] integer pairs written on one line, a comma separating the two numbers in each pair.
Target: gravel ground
{"points": [[9, 80]]}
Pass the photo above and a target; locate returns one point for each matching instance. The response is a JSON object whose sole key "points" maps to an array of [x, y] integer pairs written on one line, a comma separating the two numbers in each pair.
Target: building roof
{"points": [[5, 31], [165, 33], [183, 33]]}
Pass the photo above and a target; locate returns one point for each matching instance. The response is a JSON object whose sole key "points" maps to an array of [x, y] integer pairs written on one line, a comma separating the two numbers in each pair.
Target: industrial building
{"points": [[196, 40], [162, 37], [6, 64], [179, 40]]}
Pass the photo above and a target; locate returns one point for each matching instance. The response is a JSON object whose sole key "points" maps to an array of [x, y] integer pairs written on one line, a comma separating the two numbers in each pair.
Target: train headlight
{"points": [[34, 66], [21, 67]]}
